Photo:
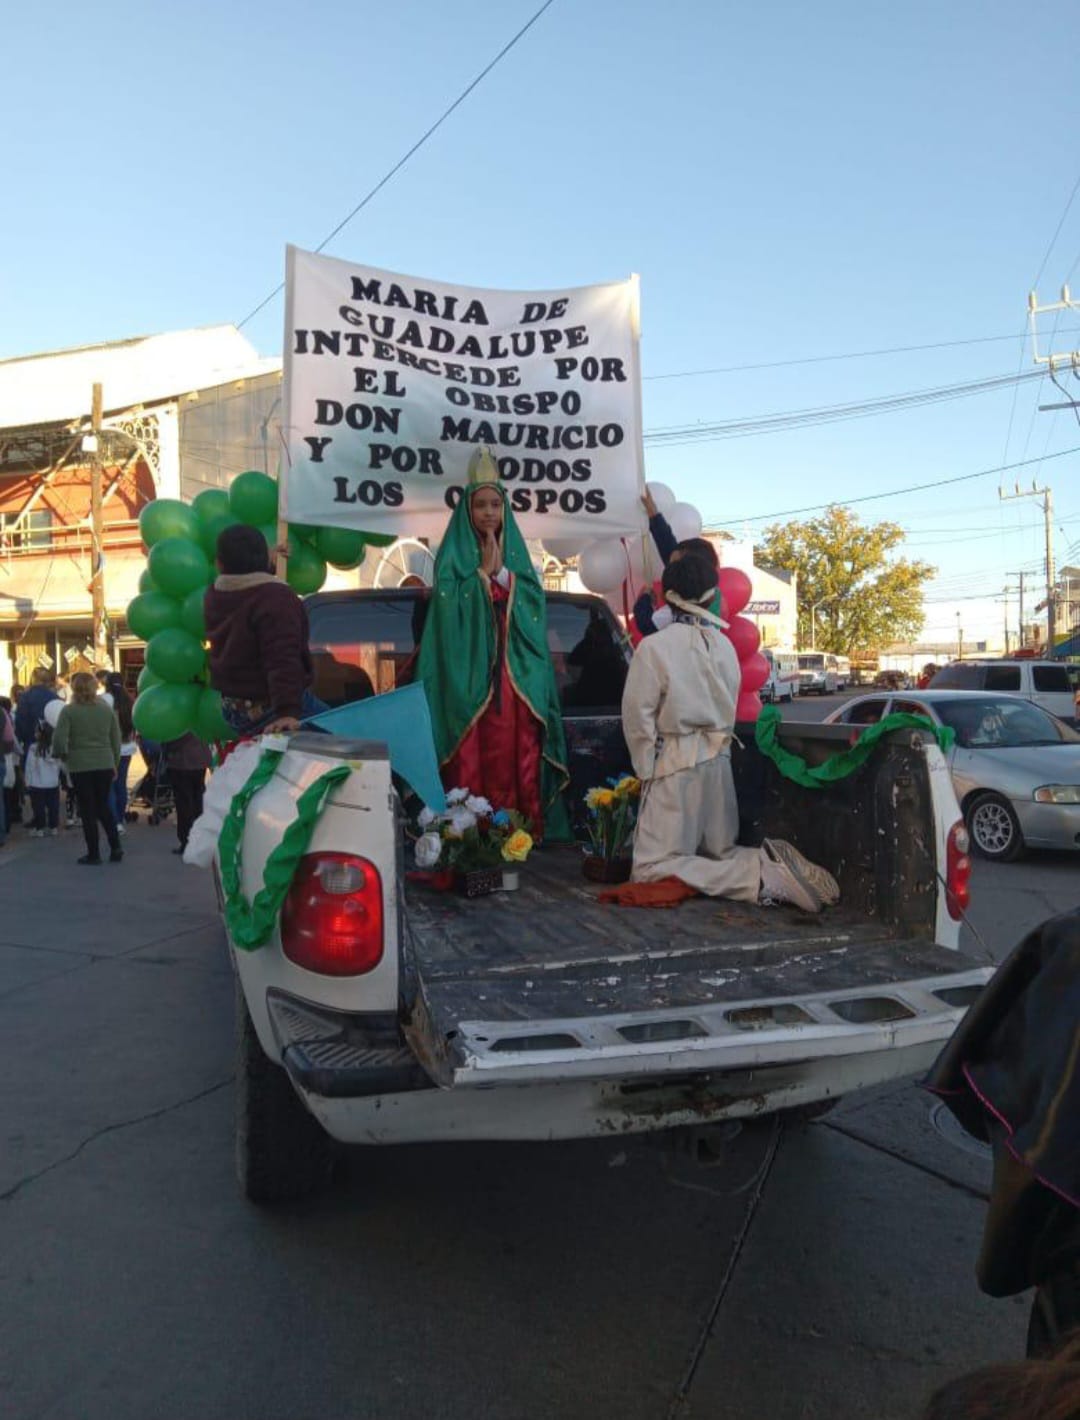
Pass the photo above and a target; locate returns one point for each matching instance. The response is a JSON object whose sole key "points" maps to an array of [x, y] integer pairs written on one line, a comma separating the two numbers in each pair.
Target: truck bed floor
{"points": [[551, 950]]}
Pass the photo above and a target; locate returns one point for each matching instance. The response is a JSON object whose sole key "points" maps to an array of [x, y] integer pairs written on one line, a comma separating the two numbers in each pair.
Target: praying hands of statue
{"points": [[490, 556]]}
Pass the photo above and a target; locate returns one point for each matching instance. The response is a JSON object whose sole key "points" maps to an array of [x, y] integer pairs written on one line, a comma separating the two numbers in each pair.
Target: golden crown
{"points": [[482, 467]]}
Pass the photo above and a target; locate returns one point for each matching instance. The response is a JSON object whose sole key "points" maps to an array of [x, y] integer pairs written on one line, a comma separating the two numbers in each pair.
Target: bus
{"points": [[817, 673], [843, 672]]}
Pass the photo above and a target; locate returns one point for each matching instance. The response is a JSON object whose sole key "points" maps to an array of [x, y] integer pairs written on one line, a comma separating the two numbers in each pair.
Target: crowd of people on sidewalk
{"points": [[66, 749]]}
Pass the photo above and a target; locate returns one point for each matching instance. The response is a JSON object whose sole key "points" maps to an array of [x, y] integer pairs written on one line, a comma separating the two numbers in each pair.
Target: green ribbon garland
{"points": [[793, 766], [251, 924]]}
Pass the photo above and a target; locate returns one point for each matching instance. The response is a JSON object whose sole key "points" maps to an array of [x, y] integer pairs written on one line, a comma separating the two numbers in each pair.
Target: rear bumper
{"points": [[587, 1109]]}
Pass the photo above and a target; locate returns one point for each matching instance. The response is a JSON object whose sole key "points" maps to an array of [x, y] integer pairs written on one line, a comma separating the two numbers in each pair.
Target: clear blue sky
{"points": [[789, 180]]}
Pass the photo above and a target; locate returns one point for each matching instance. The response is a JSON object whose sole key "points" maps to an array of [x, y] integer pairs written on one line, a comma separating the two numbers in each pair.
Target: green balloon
{"points": [[378, 539], [210, 725], [165, 712], [147, 583], [212, 531], [167, 517], [147, 679], [151, 612], [178, 566], [269, 531], [340, 546], [209, 505], [253, 498], [192, 617], [175, 655], [306, 570], [308, 531]]}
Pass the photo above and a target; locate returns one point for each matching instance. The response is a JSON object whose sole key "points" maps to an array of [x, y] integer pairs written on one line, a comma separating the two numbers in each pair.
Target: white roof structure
{"points": [[55, 387]]}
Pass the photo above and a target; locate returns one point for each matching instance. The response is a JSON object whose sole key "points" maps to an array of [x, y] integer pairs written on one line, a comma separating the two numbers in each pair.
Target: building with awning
{"points": [[183, 411]]}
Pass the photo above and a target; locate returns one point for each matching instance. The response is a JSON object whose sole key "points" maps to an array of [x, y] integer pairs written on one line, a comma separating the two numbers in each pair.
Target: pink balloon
{"points": [[755, 671], [749, 706], [735, 588], [744, 636]]}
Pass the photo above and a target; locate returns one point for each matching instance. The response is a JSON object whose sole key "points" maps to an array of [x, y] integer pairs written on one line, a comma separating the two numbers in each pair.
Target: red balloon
{"points": [[744, 636], [755, 671], [735, 588], [749, 706]]}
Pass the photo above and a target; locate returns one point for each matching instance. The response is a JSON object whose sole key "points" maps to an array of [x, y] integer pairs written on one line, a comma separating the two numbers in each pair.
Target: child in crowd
{"points": [[187, 760], [678, 715], [42, 773], [648, 619], [258, 632]]}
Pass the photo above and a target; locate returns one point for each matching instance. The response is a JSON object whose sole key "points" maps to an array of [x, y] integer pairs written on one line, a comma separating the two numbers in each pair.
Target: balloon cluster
{"points": [[174, 696], [621, 568], [735, 592]]}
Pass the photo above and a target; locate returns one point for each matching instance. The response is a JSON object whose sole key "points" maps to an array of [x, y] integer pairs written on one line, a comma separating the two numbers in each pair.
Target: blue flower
{"points": [[500, 819]]}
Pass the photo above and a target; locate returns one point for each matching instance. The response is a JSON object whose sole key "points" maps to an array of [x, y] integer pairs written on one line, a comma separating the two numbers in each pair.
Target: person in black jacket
{"points": [[31, 708], [670, 551], [187, 760]]}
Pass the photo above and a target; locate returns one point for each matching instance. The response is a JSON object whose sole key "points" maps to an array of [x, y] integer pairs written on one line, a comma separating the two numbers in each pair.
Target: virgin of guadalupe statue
{"points": [[485, 665]]}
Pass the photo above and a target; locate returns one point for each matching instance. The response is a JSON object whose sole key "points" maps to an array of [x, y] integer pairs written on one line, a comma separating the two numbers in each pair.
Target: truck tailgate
{"points": [[548, 984]]}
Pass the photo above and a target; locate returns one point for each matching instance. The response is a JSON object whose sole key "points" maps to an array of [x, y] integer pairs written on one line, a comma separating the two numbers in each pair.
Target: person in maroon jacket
{"points": [[258, 632]]}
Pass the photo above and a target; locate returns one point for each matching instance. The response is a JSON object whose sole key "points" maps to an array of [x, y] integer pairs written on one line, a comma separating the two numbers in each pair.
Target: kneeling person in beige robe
{"points": [[678, 714]]}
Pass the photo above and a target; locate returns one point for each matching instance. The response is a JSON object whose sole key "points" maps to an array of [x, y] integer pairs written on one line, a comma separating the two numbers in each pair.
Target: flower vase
{"points": [[598, 869], [479, 882]]}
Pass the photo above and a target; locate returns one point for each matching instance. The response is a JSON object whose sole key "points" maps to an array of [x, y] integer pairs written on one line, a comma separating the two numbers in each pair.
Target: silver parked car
{"points": [[1015, 769]]}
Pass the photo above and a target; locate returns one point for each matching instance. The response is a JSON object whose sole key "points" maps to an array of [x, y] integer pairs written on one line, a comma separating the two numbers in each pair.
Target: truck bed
{"points": [[553, 951]]}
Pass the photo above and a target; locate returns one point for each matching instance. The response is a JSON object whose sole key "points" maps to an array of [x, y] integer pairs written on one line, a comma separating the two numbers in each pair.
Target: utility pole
{"points": [[97, 559], [1003, 601], [1020, 577], [1048, 519]]}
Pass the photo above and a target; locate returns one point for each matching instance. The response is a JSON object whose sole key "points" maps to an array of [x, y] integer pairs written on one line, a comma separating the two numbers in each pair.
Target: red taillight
{"points": [[332, 920], [958, 872]]}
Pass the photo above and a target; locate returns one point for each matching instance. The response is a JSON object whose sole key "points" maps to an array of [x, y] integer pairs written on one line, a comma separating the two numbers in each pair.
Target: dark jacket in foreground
{"points": [[258, 633], [1011, 1073]]}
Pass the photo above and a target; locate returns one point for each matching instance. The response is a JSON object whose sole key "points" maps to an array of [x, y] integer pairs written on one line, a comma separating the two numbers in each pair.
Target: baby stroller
{"points": [[153, 793]]}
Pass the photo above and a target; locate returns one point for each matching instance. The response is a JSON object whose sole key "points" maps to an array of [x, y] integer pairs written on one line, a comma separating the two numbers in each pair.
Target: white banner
{"points": [[392, 382]]}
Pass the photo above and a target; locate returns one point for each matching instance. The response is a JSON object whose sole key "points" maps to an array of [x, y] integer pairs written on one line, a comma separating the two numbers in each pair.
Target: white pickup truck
{"points": [[381, 1012]]}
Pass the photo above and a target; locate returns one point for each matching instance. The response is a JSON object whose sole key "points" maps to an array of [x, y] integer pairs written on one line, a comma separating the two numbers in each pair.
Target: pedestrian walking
{"points": [[11, 773], [7, 750], [87, 739], [187, 760], [43, 784], [31, 707], [115, 694]]}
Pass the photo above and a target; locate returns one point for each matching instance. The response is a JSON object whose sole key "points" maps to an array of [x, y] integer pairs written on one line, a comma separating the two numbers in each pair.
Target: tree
{"points": [[865, 597]]}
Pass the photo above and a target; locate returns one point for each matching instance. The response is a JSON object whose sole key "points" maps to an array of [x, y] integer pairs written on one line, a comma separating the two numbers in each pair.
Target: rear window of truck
{"points": [[1051, 678], [366, 647]]}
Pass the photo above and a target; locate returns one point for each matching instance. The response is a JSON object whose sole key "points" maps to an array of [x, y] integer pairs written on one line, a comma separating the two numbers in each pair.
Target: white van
{"points": [[783, 682], [1046, 683], [843, 672]]}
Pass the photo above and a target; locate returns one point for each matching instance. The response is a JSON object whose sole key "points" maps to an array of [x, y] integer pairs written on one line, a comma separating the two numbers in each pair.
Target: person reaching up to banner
{"points": [[647, 618], [485, 666]]}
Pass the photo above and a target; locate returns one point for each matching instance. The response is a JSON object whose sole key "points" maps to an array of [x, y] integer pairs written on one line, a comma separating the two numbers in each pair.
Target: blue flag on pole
{"points": [[401, 720]]}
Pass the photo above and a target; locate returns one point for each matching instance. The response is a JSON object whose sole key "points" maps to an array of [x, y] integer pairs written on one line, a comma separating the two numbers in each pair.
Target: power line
{"points": [[827, 414], [893, 493], [849, 355], [415, 148]]}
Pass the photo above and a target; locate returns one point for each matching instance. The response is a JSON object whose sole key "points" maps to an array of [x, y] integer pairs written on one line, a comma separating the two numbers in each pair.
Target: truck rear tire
{"points": [[282, 1153]]}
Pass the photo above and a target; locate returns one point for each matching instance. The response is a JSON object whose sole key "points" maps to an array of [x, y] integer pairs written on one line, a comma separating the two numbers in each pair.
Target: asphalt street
{"points": [[821, 1270]]}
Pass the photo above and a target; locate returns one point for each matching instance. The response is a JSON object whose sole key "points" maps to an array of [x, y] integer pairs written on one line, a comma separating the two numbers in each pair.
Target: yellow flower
{"points": [[628, 787], [592, 798], [605, 798], [517, 847]]}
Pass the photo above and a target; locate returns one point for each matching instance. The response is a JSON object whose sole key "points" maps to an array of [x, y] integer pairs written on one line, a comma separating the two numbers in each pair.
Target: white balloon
{"points": [[51, 713], [603, 565], [662, 496], [564, 547], [685, 521]]}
